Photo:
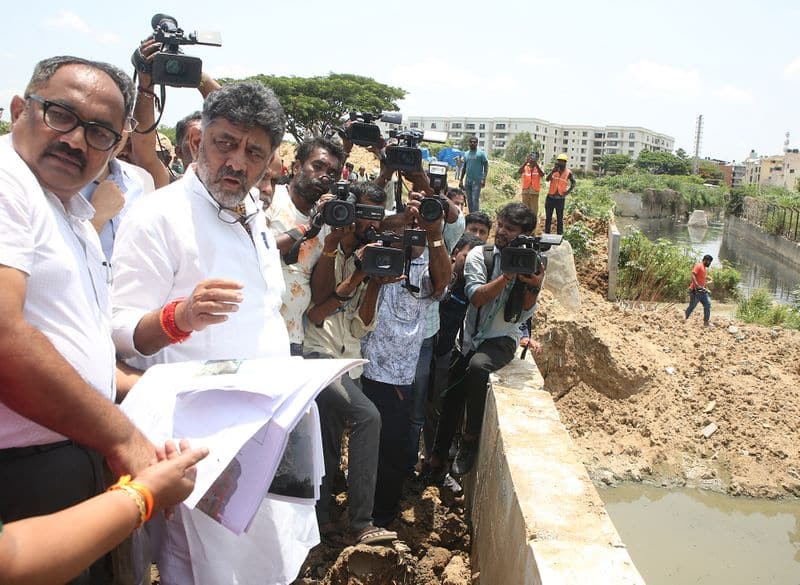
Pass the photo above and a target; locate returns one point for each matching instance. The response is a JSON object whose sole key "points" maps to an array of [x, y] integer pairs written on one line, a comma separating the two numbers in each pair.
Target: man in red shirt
{"points": [[698, 293]]}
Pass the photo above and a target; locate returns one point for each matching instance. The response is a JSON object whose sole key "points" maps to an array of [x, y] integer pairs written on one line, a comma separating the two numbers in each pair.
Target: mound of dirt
{"points": [[650, 397]]}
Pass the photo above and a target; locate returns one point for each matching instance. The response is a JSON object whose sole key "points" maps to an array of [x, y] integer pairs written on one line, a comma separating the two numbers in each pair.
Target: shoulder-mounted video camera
{"points": [[345, 209], [385, 260], [406, 156], [170, 66], [363, 130], [523, 254]]}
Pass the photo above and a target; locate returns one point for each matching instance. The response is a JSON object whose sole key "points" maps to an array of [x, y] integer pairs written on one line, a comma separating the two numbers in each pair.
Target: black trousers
{"points": [[554, 204], [49, 478], [469, 376]]}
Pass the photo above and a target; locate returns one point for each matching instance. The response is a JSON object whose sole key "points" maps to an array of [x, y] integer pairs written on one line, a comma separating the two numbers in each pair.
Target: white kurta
{"points": [[168, 243]]}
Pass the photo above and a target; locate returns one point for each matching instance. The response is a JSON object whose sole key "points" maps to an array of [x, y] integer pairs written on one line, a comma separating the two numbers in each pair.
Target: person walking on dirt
{"points": [[698, 293], [473, 174], [557, 193]]}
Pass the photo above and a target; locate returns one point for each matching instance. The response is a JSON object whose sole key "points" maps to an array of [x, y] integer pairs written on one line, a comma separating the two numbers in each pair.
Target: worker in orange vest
{"points": [[557, 193], [532, 175]]}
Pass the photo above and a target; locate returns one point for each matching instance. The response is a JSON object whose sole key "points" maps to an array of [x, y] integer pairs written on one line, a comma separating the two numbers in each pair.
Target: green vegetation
{"points": [[5, 127], [614, 163], [663, 163], [759, 308], [693, 194], [591, 199], [660, 271], [520, 147], [313, 105], [580, 236]]}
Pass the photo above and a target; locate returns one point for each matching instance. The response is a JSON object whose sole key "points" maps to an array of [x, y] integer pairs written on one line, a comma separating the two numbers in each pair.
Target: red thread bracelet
{"points": [[168, 324]]}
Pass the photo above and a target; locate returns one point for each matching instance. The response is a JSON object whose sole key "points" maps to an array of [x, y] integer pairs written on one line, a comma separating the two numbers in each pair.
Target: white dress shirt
{"points": [[66, 295]]}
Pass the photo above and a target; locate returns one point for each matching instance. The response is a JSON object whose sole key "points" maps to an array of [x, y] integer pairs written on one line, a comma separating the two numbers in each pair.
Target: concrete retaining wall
{"points": [[630, 205], [614, 242], [783, 249], [536, 516]]}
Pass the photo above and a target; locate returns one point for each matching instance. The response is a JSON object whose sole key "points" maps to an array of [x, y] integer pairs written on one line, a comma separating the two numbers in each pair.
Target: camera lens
{"points": [[173, 67], [430, 209]]}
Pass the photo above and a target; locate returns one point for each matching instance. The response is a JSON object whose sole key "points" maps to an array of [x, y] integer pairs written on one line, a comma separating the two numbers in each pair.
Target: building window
{"points": [[630, 152], [598, 134], [481, 126], [583, 142], [433, 125], [481, 134], [500, 135], [584, 133], [597, 152], [566, 132], [499, 126], [583, 159], [583, 150], [480, 143], [414, 124], [631, 144], [566, 142], [456, 125], [470, 126], [612, 135]]}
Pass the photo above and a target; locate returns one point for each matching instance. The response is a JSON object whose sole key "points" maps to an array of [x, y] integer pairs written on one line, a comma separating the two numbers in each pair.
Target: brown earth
{"points": [[637, 385]]}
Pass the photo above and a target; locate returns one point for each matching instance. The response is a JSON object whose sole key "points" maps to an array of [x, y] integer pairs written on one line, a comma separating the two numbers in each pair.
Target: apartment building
{"points": [[780, 170], [583, 144]]}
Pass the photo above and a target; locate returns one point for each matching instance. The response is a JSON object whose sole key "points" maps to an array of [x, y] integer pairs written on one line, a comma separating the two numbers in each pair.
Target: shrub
{"points": [[760, 309], [579, 235]]}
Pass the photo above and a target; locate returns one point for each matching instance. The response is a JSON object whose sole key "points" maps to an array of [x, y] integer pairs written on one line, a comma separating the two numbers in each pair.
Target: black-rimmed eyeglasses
{"points": [[62, 119]]}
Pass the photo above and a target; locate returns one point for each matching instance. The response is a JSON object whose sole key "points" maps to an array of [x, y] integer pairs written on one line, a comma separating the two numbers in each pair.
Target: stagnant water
{"points": [[685, 536], [758, 268]]}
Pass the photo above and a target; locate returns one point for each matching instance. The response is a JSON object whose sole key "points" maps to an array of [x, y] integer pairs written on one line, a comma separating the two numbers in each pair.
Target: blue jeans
{"points": [[699, 297], [473, 191]]}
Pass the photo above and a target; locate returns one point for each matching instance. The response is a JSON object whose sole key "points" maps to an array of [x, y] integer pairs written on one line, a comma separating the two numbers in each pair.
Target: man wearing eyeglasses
{"points": [[57, 386], [197, 276]]}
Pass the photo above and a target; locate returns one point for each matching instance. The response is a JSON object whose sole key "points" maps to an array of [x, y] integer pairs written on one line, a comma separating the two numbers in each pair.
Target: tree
{"points": [[314, 105], [710, 172], [614, 163], [167, 131], [5, 127], [681, 154], [520, 146], [662, 163], [463, 144]]}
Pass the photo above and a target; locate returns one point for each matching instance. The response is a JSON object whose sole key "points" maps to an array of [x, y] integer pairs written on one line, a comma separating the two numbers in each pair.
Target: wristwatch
{"points": [[436, 244]]}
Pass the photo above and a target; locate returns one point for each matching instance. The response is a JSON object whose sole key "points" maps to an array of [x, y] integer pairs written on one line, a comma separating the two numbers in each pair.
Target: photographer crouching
{"points": [[499, 302]]}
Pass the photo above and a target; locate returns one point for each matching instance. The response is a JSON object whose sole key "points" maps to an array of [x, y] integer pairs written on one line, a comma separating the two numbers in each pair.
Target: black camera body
{"points": [[345, 209], [523, 254], [170, 66], [363, 130], [434, 207], [384, 260]]}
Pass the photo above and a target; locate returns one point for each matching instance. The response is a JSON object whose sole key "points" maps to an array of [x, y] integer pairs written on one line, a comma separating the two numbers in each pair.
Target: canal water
{"points": [[687, 537], [758, 268]]}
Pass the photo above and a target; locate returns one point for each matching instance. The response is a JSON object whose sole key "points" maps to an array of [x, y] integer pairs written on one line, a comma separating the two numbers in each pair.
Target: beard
{"points": [[309, 189], [226, 197]]}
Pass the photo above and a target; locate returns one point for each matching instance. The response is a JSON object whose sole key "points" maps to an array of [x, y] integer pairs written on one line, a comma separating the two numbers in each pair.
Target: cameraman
{"points": [[318, 162], [489, 339], [393, 350], [342, 312]]}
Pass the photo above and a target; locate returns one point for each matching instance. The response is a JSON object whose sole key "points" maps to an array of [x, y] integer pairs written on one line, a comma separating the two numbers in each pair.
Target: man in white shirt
{"points": [[57, 414], [197, 277], [318, 163]]}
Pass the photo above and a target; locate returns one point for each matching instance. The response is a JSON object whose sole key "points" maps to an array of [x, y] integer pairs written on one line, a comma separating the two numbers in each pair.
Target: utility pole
{"points": [[698, 139]]}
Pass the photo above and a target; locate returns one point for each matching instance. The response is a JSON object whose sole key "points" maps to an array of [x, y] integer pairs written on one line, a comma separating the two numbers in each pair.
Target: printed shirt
{"points": [[393, 347], [283, 216]]}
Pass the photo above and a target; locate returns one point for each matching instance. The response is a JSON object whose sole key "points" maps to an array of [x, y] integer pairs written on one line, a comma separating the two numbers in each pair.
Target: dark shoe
{"points": [[376, 536], [465, 458]]}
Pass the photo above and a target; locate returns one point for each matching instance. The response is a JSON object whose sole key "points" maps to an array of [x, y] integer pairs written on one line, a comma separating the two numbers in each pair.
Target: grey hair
{"points": [[46, 68], [249, 104]]}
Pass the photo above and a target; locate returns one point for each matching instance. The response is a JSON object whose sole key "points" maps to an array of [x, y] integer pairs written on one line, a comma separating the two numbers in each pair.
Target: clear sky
{"points": [[637, 63]]}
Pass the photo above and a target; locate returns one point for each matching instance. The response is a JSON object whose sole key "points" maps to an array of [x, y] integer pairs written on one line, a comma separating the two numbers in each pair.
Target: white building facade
{"points": [[583, 144]]}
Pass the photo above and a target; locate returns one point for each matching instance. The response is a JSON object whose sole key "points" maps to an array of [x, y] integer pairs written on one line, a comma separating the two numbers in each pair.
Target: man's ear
{"points": [[193, 138], [17, 107]]}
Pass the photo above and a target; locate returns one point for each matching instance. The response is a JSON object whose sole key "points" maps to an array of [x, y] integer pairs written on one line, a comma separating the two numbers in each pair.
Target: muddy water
{"points": [[689, 536], [758, 268]]}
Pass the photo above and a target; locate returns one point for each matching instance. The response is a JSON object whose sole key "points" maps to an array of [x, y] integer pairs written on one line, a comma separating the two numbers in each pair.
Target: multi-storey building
{"points": [[780, 170], [583, 144]]}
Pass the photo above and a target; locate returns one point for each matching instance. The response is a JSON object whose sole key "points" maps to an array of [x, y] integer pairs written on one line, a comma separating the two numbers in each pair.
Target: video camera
{"points": [[345, 209], [406, 156], [170, 66], [363, 130], [384, 260], [523, 254], [433, 207]]}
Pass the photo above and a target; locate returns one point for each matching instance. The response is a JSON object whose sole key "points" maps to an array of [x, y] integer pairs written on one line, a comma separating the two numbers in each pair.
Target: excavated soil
{"points": [[650, 397]]}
